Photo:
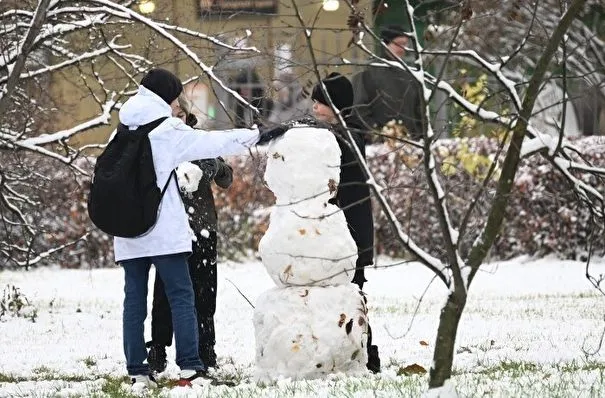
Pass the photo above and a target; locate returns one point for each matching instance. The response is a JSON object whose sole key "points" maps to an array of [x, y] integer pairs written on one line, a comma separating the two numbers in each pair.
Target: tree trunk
{"points": [[443, 356]]}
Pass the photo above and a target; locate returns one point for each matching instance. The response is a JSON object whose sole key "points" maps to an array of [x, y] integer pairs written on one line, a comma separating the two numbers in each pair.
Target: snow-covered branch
{"points": [[122, 11], [24, 48], [448, 230]]}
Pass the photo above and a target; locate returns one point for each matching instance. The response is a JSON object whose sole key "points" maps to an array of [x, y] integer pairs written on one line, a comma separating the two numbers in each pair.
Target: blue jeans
{"points": [[174, 271]]}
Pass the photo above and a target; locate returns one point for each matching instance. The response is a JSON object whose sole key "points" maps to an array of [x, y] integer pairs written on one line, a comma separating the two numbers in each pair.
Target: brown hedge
{"points": [[543, 216]]}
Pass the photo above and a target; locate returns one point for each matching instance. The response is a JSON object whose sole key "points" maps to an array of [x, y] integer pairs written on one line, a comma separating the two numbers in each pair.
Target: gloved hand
{"points": [[224, 176], [191, 120], [359, 278], [271, 133]]}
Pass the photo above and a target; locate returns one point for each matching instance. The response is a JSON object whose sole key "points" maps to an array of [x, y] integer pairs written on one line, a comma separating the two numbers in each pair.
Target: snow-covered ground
{"points": [[522, 333]]}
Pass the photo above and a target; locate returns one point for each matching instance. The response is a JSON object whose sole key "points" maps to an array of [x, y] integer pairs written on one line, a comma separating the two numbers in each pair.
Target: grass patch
{"points": [[89, 362], [118, 387], [574, 366], [506, 378], [7, 378]]}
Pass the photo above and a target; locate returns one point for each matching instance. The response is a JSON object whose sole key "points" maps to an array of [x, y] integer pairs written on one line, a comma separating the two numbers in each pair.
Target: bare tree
{"points": [[457, 267], [88, 43], [519, 74], [38, 42]]}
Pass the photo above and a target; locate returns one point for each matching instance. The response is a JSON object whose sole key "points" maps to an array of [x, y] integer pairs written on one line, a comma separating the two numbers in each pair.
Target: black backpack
{"points": [[124, 197]]}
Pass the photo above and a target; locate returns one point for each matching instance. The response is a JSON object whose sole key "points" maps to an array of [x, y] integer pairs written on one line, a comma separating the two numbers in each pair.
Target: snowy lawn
{"points": [[522, 334]]}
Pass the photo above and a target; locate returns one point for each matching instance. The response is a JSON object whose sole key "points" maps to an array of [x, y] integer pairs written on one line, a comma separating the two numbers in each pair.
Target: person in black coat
{"points": [[353, 194], [202, 262]]}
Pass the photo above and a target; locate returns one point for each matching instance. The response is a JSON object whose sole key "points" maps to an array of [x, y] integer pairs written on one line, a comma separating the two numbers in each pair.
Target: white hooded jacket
{"points": [[172, 143]]}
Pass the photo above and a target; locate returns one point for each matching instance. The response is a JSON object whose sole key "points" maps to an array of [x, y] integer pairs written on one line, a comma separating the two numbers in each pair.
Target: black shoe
{"points": [[373, 359], [156, 358], [208, 356]]}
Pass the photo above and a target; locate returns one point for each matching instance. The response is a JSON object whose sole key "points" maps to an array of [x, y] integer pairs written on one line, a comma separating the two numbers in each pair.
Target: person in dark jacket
{"points": [[384, 94], [202, 262], [249, 85], [353, 194]]}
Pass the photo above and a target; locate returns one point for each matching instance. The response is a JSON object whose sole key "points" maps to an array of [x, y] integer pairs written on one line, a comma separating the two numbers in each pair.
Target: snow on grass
{"points": [[522, 334]]}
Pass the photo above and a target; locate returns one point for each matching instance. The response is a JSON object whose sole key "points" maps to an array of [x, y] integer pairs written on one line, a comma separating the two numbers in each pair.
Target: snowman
{"points": [[314, 321]]}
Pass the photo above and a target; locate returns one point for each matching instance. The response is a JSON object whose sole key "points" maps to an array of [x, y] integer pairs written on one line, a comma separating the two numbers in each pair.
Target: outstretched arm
{"points": [[224, 174], [190, 144]]}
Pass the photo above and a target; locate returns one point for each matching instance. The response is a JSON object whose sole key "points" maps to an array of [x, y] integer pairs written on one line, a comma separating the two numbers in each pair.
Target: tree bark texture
{"points": [[443, 356]]}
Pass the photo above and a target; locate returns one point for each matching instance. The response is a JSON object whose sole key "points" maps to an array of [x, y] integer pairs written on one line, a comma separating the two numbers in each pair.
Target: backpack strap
{"points": [[151, 125], [172, 174], [148, 128]]}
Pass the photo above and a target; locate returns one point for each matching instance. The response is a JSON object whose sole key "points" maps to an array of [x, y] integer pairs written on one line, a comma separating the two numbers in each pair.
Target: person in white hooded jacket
{"points": [[168, 244]]}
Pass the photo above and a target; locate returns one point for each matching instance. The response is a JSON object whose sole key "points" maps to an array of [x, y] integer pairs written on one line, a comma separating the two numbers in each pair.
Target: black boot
{"points": [[373, 359], [156, 357]]}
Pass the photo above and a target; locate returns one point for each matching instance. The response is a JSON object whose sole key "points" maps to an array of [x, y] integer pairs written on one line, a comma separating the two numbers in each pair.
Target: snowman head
{"points": [[304, 164]]}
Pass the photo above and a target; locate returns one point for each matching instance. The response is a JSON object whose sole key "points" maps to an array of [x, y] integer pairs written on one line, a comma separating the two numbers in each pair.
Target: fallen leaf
{"points": [[424, 343], [331, 185], [317, 231], [342, 320], [302, 231], [276, 155], [295, 348], [413, 369]]}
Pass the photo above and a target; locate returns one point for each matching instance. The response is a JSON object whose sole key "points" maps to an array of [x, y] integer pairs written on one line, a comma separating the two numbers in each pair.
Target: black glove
{"points": [[191, 120], [271, 133], [359, 278]]}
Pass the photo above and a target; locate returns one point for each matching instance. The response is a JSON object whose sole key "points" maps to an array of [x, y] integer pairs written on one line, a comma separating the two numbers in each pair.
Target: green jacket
{"points": [[383, 94]]}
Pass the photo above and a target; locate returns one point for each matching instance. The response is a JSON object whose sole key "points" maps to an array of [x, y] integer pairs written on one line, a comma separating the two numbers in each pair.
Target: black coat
{"points": [[353, 195], [200, 205]]}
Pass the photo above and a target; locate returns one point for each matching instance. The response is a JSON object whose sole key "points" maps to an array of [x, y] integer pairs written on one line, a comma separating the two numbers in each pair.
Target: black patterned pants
{"points": [[202, 270]]}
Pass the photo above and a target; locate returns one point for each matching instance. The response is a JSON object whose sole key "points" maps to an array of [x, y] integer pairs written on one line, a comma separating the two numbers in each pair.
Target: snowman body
{"points": [[315, 321]]}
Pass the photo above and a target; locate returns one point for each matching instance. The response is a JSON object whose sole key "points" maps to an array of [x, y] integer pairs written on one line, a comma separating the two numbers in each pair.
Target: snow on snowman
{"points": [[314, 322]]}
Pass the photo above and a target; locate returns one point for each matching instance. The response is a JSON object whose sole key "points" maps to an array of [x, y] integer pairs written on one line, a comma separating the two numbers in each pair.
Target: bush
{"points": [[14, 304], [543, 216]]}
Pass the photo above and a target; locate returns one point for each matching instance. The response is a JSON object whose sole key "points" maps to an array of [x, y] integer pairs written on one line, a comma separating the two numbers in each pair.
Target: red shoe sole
{"points": [[183, 383]]}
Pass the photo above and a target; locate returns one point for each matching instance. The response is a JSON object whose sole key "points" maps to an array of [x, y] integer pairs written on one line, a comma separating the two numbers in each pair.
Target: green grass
{"points": [[506, 378], [118, 387], [7, 378]]}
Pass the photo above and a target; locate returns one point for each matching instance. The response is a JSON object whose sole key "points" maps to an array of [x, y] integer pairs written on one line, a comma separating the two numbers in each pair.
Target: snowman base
{"points": [[308, 332]]}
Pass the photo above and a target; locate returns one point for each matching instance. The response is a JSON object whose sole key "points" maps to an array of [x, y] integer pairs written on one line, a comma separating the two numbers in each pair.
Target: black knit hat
{"points": [[339, 88], [390, 32], [163, 83]]}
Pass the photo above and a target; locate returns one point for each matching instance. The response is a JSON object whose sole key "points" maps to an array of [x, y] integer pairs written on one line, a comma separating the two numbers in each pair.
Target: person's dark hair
{"points": [[390, 32], [339, 88], [163, 83]]}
